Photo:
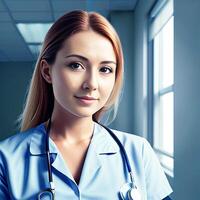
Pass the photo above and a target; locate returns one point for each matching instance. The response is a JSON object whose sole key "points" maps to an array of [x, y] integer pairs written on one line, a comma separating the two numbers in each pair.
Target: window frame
{"points": [[151, 99]]}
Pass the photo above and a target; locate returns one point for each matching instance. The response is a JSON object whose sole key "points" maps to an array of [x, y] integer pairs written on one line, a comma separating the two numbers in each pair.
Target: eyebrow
{"points": [[85, 59]]}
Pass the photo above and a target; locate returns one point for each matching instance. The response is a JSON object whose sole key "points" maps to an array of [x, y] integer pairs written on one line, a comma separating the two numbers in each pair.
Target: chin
{"points": [[84, 114]]}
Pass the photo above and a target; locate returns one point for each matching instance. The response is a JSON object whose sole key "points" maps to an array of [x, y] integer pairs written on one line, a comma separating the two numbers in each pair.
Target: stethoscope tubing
{"points": [[120, 146], [122, 149], [50, 176]]}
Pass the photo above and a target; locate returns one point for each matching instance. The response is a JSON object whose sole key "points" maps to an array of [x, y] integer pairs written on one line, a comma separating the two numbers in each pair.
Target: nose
{"points": [[91, 81]]}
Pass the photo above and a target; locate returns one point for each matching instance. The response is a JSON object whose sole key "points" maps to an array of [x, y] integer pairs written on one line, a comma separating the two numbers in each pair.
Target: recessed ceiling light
{"points": [[34, 32]]}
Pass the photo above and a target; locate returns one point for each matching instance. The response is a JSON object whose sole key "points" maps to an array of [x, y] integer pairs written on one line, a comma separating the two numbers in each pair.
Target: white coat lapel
{"points": [[101, 143], [37, 148]]}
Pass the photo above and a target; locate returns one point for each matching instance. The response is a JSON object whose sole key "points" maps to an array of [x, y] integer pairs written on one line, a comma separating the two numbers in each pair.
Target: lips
{"points": [[86, 100], [86, 97]]}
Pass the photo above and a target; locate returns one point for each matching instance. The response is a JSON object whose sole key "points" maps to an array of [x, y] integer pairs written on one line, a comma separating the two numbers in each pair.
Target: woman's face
{"points": [[84, 67]]}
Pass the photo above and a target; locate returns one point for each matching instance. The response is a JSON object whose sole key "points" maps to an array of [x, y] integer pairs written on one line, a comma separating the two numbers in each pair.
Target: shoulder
{"points": [[146, 164], [131, 141], [137, 147], [126, 136], [17, 142]]}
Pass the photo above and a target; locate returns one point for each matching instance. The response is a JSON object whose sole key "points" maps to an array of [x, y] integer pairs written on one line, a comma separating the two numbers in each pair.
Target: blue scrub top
{"points": [[23, 168]]}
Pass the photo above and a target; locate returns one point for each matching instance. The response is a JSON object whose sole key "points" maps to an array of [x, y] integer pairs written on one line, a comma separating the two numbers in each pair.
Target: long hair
{"points": [[40, 98]]}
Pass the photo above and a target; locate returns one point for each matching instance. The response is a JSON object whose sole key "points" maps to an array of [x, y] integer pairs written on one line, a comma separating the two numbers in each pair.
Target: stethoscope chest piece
{"points": [[129, 192], [134, 194]]}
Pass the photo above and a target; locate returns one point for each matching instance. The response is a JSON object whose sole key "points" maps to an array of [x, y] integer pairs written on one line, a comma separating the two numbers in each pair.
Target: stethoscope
{"points": [[131, 190]]}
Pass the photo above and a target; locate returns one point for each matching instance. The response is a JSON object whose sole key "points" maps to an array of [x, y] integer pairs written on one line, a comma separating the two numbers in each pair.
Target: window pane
{"points": [[164, 124], [164, 57], [167, 50], [167, 122], [156, 63], [163, 78], [163, 81]]}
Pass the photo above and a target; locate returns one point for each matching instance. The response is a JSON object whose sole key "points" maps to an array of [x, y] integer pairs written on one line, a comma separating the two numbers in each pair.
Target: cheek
{"points": [[107, 87], [64, 82], [60, 87]]}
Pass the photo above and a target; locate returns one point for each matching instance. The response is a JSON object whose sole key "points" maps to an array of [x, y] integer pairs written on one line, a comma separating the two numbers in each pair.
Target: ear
{"points": [[45, 70]]}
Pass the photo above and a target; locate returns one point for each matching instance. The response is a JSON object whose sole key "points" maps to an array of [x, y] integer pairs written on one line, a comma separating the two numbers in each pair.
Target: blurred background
{"points": [[161, 96]]}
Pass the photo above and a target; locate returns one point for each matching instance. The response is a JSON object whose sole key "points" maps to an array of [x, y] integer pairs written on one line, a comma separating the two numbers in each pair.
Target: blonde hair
{"points": [[40, 99]]}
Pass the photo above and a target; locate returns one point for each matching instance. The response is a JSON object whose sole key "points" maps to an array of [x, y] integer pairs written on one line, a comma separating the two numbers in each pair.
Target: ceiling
{"points": [[12, 44]]}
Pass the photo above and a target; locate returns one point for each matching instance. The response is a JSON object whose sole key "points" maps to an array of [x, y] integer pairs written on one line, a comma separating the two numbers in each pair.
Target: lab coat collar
{"points": [[101, 141], [101, 144], [38, 141]]}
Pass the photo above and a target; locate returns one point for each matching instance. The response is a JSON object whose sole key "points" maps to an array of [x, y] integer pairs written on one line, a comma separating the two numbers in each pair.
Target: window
{"points": [[162, 42]]}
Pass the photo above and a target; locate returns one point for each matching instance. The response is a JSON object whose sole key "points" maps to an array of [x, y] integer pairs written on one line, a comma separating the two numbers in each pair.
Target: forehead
{"points": [[89, 44]]}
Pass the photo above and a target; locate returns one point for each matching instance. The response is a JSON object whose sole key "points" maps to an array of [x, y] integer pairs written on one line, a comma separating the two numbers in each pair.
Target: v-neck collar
{"points": [[101, 143]]}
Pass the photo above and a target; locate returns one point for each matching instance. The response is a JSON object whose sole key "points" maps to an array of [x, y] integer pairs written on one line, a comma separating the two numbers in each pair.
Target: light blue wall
{"points": [[187, 99], [140, 47], [139, 75], [123, 23], [13, 84], [132, 29]]}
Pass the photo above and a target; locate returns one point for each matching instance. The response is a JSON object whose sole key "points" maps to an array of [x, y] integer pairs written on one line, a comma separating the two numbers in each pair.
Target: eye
{"points": [[75, 66], [106, 70]]}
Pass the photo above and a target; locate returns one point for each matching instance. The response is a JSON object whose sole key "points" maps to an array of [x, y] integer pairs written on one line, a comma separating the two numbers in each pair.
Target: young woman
{"points": [[63, 152]]}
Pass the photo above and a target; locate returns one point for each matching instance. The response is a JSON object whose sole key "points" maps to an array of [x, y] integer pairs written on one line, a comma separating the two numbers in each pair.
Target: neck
{"points": [[70, 128]]}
